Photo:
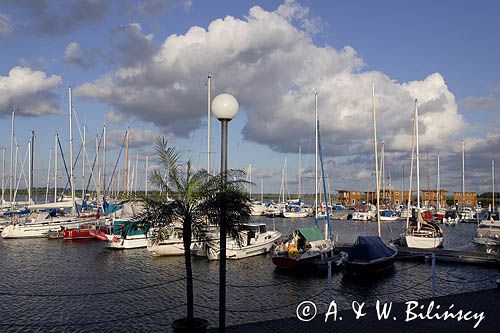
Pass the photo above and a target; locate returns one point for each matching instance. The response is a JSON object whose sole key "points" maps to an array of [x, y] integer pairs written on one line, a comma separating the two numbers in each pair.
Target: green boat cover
{"points": [[311, 234]]}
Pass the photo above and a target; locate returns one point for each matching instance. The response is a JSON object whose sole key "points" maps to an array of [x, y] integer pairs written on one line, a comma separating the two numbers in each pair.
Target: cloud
{"points": [[32, 92], [59, 18], [73, 55], [38, 63], [485, 103], [132, 46], [5, 25], [159, 7], [138, 138], [115, 117]]}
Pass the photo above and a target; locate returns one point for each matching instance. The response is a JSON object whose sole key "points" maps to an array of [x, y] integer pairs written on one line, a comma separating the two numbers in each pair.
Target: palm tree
{"points": [[192, 198]]}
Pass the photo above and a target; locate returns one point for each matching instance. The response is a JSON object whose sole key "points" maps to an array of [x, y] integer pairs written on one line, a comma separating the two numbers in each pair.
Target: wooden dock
{"points": [[454, 256], [442, 255]]}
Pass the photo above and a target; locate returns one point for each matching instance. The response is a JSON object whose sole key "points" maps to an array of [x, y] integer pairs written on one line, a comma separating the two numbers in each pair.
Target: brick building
{"points": [[430, 198], [350, 197], [469, 200]]}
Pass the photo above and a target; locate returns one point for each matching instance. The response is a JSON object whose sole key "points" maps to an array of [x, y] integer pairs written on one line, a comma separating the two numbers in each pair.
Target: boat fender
{"points": [[293, 252]]}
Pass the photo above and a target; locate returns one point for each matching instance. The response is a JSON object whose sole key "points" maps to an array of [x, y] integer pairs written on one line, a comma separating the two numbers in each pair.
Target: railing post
{"points": [[330, 298], [433, 274]]}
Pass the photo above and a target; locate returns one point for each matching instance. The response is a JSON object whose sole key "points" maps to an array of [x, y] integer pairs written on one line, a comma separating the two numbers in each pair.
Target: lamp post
{"points": [[224, 107]]}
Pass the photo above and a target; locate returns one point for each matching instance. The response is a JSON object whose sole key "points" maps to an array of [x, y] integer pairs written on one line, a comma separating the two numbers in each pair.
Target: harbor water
{"points": [[81, 286]]}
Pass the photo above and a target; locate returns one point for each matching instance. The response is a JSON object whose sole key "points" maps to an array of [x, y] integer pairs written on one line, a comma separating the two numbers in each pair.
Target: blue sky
{"points": [[141, 64]]}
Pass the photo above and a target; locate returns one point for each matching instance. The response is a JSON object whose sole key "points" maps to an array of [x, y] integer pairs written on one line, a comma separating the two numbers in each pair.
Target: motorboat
{"points": [[294, 211], [488, 230], [253, 239], [370, 255], [303, 247], [127, 234], [451, 217], [165, 241]]}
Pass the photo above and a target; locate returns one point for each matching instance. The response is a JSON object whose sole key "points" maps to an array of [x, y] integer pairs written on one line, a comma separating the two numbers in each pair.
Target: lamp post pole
{"points": [[224, 107]]}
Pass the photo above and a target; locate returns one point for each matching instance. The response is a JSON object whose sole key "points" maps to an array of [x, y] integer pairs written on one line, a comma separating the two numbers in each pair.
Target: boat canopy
{"points": [[311, 234], [368, 248]]}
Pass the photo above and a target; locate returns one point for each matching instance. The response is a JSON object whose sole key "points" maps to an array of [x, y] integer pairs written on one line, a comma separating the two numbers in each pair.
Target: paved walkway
{"points": [[487, 301]]}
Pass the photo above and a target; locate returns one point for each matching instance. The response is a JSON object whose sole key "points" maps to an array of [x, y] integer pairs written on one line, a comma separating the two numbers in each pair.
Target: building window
{"points": [[468, 194]]}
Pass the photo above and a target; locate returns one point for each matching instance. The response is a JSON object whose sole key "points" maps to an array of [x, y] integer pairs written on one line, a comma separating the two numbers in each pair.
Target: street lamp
{"points": [[224, 107]]}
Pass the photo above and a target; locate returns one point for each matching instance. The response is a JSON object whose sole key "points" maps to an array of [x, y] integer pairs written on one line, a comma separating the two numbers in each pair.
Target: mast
{"points": [[135, 173], [376, 159], [438, 204], [209, 104], [104, 161], [83, 161], [261, 189], [403, 185], [48, 177], [411, 169], [300, 170], [55, 167], [316, 158], [463, 173], [493, 184], [147, 180], [125, 170], [250, 179], [71, 168], [30, 170], [428, 182], [3, 173], [418, 165], [11, 153], [382, 172]]}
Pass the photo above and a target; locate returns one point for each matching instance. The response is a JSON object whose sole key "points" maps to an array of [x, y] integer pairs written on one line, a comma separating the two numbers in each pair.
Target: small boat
{"points": [[363, 213], [423, 235], [127, 235], [451, 217], [388, 215], [369, 255], [302, 249], [294, 211], [257, 208], [83, 231], [488, 231], [166, 241], [254, 239]]}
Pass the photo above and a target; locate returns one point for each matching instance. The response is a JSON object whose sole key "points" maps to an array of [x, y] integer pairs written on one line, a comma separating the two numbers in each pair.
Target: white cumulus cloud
{"points": [[269, 61], [32, 92]]}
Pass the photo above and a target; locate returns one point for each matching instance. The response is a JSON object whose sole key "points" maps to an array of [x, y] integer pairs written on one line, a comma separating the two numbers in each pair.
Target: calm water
{"points": [[55, 285]]}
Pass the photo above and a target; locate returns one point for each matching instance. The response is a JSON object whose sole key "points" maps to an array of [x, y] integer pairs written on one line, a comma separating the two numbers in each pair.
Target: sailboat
{"points": [[369, 254], [420, 234], [305, 246]]}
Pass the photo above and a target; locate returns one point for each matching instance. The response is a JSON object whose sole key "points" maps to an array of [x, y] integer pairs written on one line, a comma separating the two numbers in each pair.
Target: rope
{"points": [[262, 309], [243, 286], [409, 267], [101, 322], [464, 281], [90, 294]]}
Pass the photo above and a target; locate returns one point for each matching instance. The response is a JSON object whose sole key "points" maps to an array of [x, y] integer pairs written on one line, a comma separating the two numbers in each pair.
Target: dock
{"points": [[442, 255]]}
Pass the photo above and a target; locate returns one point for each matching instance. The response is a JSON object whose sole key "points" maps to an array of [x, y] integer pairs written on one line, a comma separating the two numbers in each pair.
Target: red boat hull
{"points": [[291, 263]]}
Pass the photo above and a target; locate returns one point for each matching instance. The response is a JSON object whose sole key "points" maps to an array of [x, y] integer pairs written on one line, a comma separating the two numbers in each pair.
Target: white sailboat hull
{"points": [[420, 242], [35, 230]]}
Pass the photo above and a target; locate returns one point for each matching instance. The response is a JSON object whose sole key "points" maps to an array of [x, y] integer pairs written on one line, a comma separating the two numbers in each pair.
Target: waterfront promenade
{"points": [[484, 301]]}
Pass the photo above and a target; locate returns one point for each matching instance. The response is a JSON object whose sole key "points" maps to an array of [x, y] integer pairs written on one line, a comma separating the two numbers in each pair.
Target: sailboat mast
{"points": [[55, 167], [316, 157], [300, 170], [403, 185], [418, 164], [493, 185], [11, 153], [209, 102], [382, 172], [147, 180], [3, 173], [125, 170], [376, 159], [104, 161], [250, 178], [29, 171], [438, 204], [48, 177], [71, 168], [411, 170], [463, 173], [83, 161], [261, 189]]}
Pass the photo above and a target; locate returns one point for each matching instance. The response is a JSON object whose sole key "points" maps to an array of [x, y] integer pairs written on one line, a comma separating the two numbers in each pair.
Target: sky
{"points": [[144, 64]]}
